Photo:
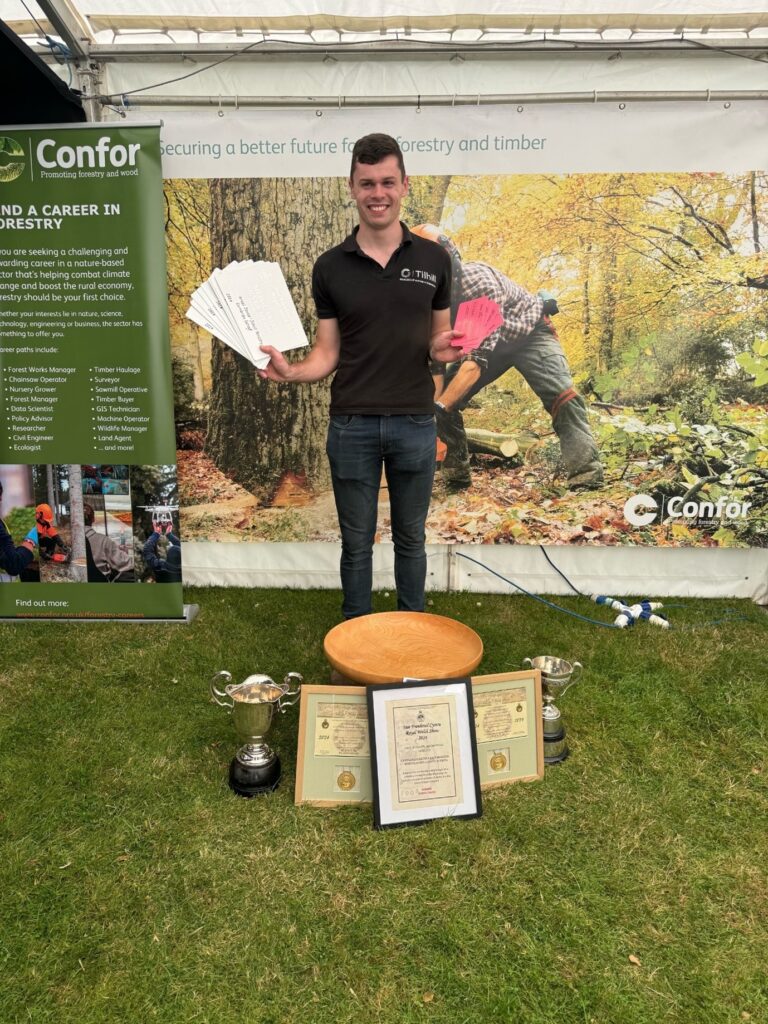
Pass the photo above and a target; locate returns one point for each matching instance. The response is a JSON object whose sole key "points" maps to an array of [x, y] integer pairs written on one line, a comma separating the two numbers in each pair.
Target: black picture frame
{"points": [[429, 717]]}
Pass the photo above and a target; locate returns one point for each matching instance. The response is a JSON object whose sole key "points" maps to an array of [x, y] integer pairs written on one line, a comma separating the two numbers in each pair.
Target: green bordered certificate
{"points": [[333, 764], [509, 727]]}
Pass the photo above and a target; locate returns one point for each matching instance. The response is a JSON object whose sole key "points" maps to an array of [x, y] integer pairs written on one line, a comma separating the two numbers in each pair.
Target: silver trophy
{"points": [[254, 703], [556, 676]]}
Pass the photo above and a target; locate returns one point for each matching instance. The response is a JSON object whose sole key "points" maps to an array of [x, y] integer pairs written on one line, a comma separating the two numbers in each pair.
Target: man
{"points": [[52, 547], [526, 341], [14, 560], [168, 569], [383, 299], [106, 560]]}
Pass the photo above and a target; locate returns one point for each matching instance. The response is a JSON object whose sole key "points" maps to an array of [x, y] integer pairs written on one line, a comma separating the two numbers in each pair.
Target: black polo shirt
{"points": [[385, 321]]}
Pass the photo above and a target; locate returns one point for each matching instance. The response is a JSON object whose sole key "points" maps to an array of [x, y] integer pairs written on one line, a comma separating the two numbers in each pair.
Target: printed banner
{"points": [[88, 474], [631, 413]]}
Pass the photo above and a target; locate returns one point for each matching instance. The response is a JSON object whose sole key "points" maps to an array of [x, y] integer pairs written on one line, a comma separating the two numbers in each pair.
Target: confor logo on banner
{"points": [[643, 509], [12, 162], [106, 155]]}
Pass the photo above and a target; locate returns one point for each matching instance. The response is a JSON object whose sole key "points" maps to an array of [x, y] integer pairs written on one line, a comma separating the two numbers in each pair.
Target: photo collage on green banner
{"points": [[87, 443]]}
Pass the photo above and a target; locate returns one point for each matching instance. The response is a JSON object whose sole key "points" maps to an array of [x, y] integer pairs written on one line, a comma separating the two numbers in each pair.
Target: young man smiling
{"points": [[383, 304]]}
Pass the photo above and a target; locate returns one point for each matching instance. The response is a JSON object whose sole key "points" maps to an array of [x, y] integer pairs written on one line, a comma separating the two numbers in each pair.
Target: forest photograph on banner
{"points": [[628, 409]]}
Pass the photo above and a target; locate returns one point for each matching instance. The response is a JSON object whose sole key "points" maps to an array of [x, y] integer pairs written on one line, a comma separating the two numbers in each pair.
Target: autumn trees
{"points": [[660, 277]]}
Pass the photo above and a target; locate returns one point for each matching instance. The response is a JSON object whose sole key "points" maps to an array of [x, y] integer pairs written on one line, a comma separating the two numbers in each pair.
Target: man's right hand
{"points": [[322, 360], [278, 368]]}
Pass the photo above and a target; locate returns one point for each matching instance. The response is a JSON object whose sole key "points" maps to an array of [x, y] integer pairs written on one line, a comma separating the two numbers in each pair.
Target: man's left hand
{"points": [[442, 348]]}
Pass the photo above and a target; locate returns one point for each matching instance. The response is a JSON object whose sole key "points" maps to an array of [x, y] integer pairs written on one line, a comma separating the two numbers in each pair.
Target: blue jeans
{"points": [[539, 357], [358, 447]]}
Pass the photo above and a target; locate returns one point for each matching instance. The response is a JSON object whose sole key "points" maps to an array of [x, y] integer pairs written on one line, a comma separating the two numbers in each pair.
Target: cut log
{"points": [[506, 446]]}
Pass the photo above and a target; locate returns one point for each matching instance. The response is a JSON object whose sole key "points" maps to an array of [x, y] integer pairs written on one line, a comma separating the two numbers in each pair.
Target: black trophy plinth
{"points": [[253, 780], [555, 747]]}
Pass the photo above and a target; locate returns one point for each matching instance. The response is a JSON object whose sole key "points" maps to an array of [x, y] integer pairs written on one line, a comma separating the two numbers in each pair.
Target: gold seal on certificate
{"points": [[498, 762], [346, 780]]}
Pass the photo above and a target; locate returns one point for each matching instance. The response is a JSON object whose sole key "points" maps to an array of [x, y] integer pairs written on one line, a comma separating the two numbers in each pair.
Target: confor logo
{"points": [[633, 505], [642, 509], [12, 163]]}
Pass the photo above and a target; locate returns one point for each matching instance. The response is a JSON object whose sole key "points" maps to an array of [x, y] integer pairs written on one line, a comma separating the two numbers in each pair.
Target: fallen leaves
{"points": [[200, 482]]}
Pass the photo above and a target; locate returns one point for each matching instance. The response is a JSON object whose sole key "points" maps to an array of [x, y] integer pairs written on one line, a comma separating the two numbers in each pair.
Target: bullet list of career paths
{"points": [[35, 395]]}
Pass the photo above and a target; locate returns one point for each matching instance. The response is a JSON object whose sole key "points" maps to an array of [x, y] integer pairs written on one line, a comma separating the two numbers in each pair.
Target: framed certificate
{"points": [[509, 727], [423, 752], [333, 764]]}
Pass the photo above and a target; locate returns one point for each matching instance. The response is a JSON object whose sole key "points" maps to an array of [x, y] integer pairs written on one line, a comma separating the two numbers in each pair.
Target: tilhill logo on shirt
{"points": [[418, 276]]}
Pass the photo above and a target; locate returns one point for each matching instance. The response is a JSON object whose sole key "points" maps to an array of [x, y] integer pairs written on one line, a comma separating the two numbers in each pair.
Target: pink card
{"points": [[476, 320]]}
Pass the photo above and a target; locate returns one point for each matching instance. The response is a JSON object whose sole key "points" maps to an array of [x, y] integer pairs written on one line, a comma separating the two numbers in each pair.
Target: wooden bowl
{"points": [[388, 646]]}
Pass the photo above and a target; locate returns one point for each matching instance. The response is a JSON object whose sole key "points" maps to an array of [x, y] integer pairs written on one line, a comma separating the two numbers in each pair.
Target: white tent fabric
{"points": [[351, 80], [377, 15], [142, 49], [620, 572]]}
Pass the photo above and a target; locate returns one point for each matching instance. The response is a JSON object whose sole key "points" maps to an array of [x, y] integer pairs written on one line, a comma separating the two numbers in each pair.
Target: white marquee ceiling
{"points": [[166, 53], [155, 21]]}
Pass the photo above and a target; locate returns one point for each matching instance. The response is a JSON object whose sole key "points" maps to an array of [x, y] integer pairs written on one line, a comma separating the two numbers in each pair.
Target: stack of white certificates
{"points": [[246, 305]]}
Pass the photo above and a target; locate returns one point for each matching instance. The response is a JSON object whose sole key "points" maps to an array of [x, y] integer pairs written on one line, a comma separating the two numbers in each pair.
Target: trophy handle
{"points": [[528, 662], [218, 696], [283, 704], [575, 676]]}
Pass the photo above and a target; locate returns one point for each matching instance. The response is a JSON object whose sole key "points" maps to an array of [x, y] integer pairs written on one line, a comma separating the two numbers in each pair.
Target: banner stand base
{"points": [[190, 613]]}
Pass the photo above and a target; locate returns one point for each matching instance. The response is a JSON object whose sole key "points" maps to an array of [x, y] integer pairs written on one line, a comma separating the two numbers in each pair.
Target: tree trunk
{"points": [[259, 431], [586, 307], [78, 569], [49, 486], [199, 369], [753, 212], [57, 502], [609, 275], [425, 199]]}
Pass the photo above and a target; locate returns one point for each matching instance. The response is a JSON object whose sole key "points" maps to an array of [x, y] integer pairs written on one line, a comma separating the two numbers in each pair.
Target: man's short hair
{"points": [[372, 149], [88, 514]]}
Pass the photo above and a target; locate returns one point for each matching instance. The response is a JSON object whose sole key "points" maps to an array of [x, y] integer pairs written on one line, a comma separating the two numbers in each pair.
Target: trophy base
{"points": [[253, 780], [555, 748]]}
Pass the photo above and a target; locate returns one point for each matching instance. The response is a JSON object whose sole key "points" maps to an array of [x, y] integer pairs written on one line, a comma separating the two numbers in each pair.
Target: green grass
{"points": [[135, 887]]}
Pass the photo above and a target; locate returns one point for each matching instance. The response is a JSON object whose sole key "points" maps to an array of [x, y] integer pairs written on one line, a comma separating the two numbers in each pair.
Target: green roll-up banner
{"points": [[87, 448]]}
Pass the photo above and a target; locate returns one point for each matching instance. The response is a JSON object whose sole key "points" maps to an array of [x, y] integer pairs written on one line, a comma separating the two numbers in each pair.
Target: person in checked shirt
{"points": [[526, 341]]}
